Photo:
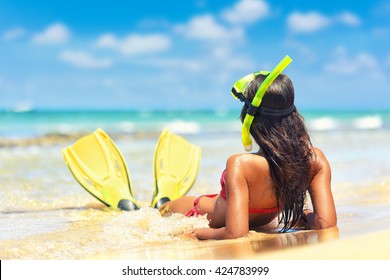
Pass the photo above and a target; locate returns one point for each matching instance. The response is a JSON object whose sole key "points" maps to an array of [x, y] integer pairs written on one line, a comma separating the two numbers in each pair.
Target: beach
{"points": [[46, 215]]}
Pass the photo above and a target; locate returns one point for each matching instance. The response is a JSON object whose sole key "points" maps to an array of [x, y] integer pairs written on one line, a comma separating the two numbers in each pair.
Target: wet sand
{"points": [[255, 245], [99, 234], [371, 246], [299, 245]]}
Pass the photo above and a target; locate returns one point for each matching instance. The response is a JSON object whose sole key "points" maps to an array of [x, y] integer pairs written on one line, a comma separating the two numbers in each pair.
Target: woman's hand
{"points": [[188, 235], [201, 233]]}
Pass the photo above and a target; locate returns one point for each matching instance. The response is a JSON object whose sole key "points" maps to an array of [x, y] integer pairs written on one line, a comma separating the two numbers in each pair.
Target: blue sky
{"points": [[179, 54]]}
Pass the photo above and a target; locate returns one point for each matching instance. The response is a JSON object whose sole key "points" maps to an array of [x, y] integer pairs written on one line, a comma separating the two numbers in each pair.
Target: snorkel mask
{"points": [[253, 107]]}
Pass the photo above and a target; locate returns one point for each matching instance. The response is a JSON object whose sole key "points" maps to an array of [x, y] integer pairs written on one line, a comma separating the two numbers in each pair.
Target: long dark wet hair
{"points": [[286, 145]]}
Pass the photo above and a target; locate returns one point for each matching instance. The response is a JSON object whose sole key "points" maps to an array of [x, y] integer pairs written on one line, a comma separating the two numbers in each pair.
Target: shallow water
{"points": [[45, 214]]}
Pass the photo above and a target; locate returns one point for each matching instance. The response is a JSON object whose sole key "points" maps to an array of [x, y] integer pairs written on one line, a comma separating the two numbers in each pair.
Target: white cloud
{"points": [[246, 11], [23, 105], [201, 3], [84, 60], [310, 22], [135, 44], [381, 32], [381, 8], [206, 27], [190, 65], [54, 34], [309, 54], [361, 63], [387, 61], [348, 18], [13, 34]]}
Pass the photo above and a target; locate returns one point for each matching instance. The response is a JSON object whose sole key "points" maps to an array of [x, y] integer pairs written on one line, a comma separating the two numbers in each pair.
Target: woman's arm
{"points": [[237, 201], [324, 212]]}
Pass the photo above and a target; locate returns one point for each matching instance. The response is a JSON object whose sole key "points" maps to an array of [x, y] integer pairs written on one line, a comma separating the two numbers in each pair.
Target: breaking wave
{"points": [[369, 122]]}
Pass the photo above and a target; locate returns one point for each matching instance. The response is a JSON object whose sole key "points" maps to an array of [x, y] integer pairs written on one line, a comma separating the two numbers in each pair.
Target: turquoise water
{"points": [[39, 123], [349, 138]]}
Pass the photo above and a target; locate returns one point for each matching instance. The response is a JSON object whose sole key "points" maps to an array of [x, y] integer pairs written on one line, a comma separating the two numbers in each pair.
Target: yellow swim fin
{"points": [[97, 164], [176, 166]]}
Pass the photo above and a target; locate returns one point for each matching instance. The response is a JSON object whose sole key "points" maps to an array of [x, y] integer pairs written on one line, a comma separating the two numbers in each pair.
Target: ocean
{"points": [[45, 214], [15, 124]]}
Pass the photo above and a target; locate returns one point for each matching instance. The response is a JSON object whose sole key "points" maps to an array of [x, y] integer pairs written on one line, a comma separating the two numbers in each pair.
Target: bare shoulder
{"points": [[321, 172], [247, 163], [320, 162]]}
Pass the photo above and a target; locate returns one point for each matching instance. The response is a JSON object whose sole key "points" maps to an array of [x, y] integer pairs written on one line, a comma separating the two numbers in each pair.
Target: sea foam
{"points": [[323, 124], [185, 127], [369, 122]]}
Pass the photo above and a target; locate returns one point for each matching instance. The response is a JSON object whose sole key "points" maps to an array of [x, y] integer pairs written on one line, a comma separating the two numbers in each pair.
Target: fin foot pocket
{"points": [[161, 202], [126, 204]]}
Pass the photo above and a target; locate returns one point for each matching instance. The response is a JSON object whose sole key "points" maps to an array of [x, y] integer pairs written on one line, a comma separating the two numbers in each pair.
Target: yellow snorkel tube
{"points": [[239, 88]]}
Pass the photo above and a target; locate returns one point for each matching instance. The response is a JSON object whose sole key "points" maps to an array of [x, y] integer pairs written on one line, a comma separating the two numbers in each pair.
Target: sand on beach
{"points": [[95, 241], [97, 233], [370, 246]]}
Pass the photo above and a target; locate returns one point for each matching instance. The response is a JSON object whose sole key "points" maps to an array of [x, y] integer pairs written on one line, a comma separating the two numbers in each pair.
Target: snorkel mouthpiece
{"points": [[245, 134], [254, 105]]}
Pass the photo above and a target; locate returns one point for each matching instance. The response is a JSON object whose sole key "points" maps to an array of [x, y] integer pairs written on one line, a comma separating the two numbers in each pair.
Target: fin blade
{"points": [[97, 164], [176, 166]]}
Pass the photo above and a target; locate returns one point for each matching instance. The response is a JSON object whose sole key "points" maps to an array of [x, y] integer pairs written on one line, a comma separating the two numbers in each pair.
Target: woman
{"points": [[273, 182]]}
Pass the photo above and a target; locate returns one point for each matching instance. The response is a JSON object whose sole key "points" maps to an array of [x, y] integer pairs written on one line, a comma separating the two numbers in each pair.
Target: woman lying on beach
{"points": [[257, 188]]}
